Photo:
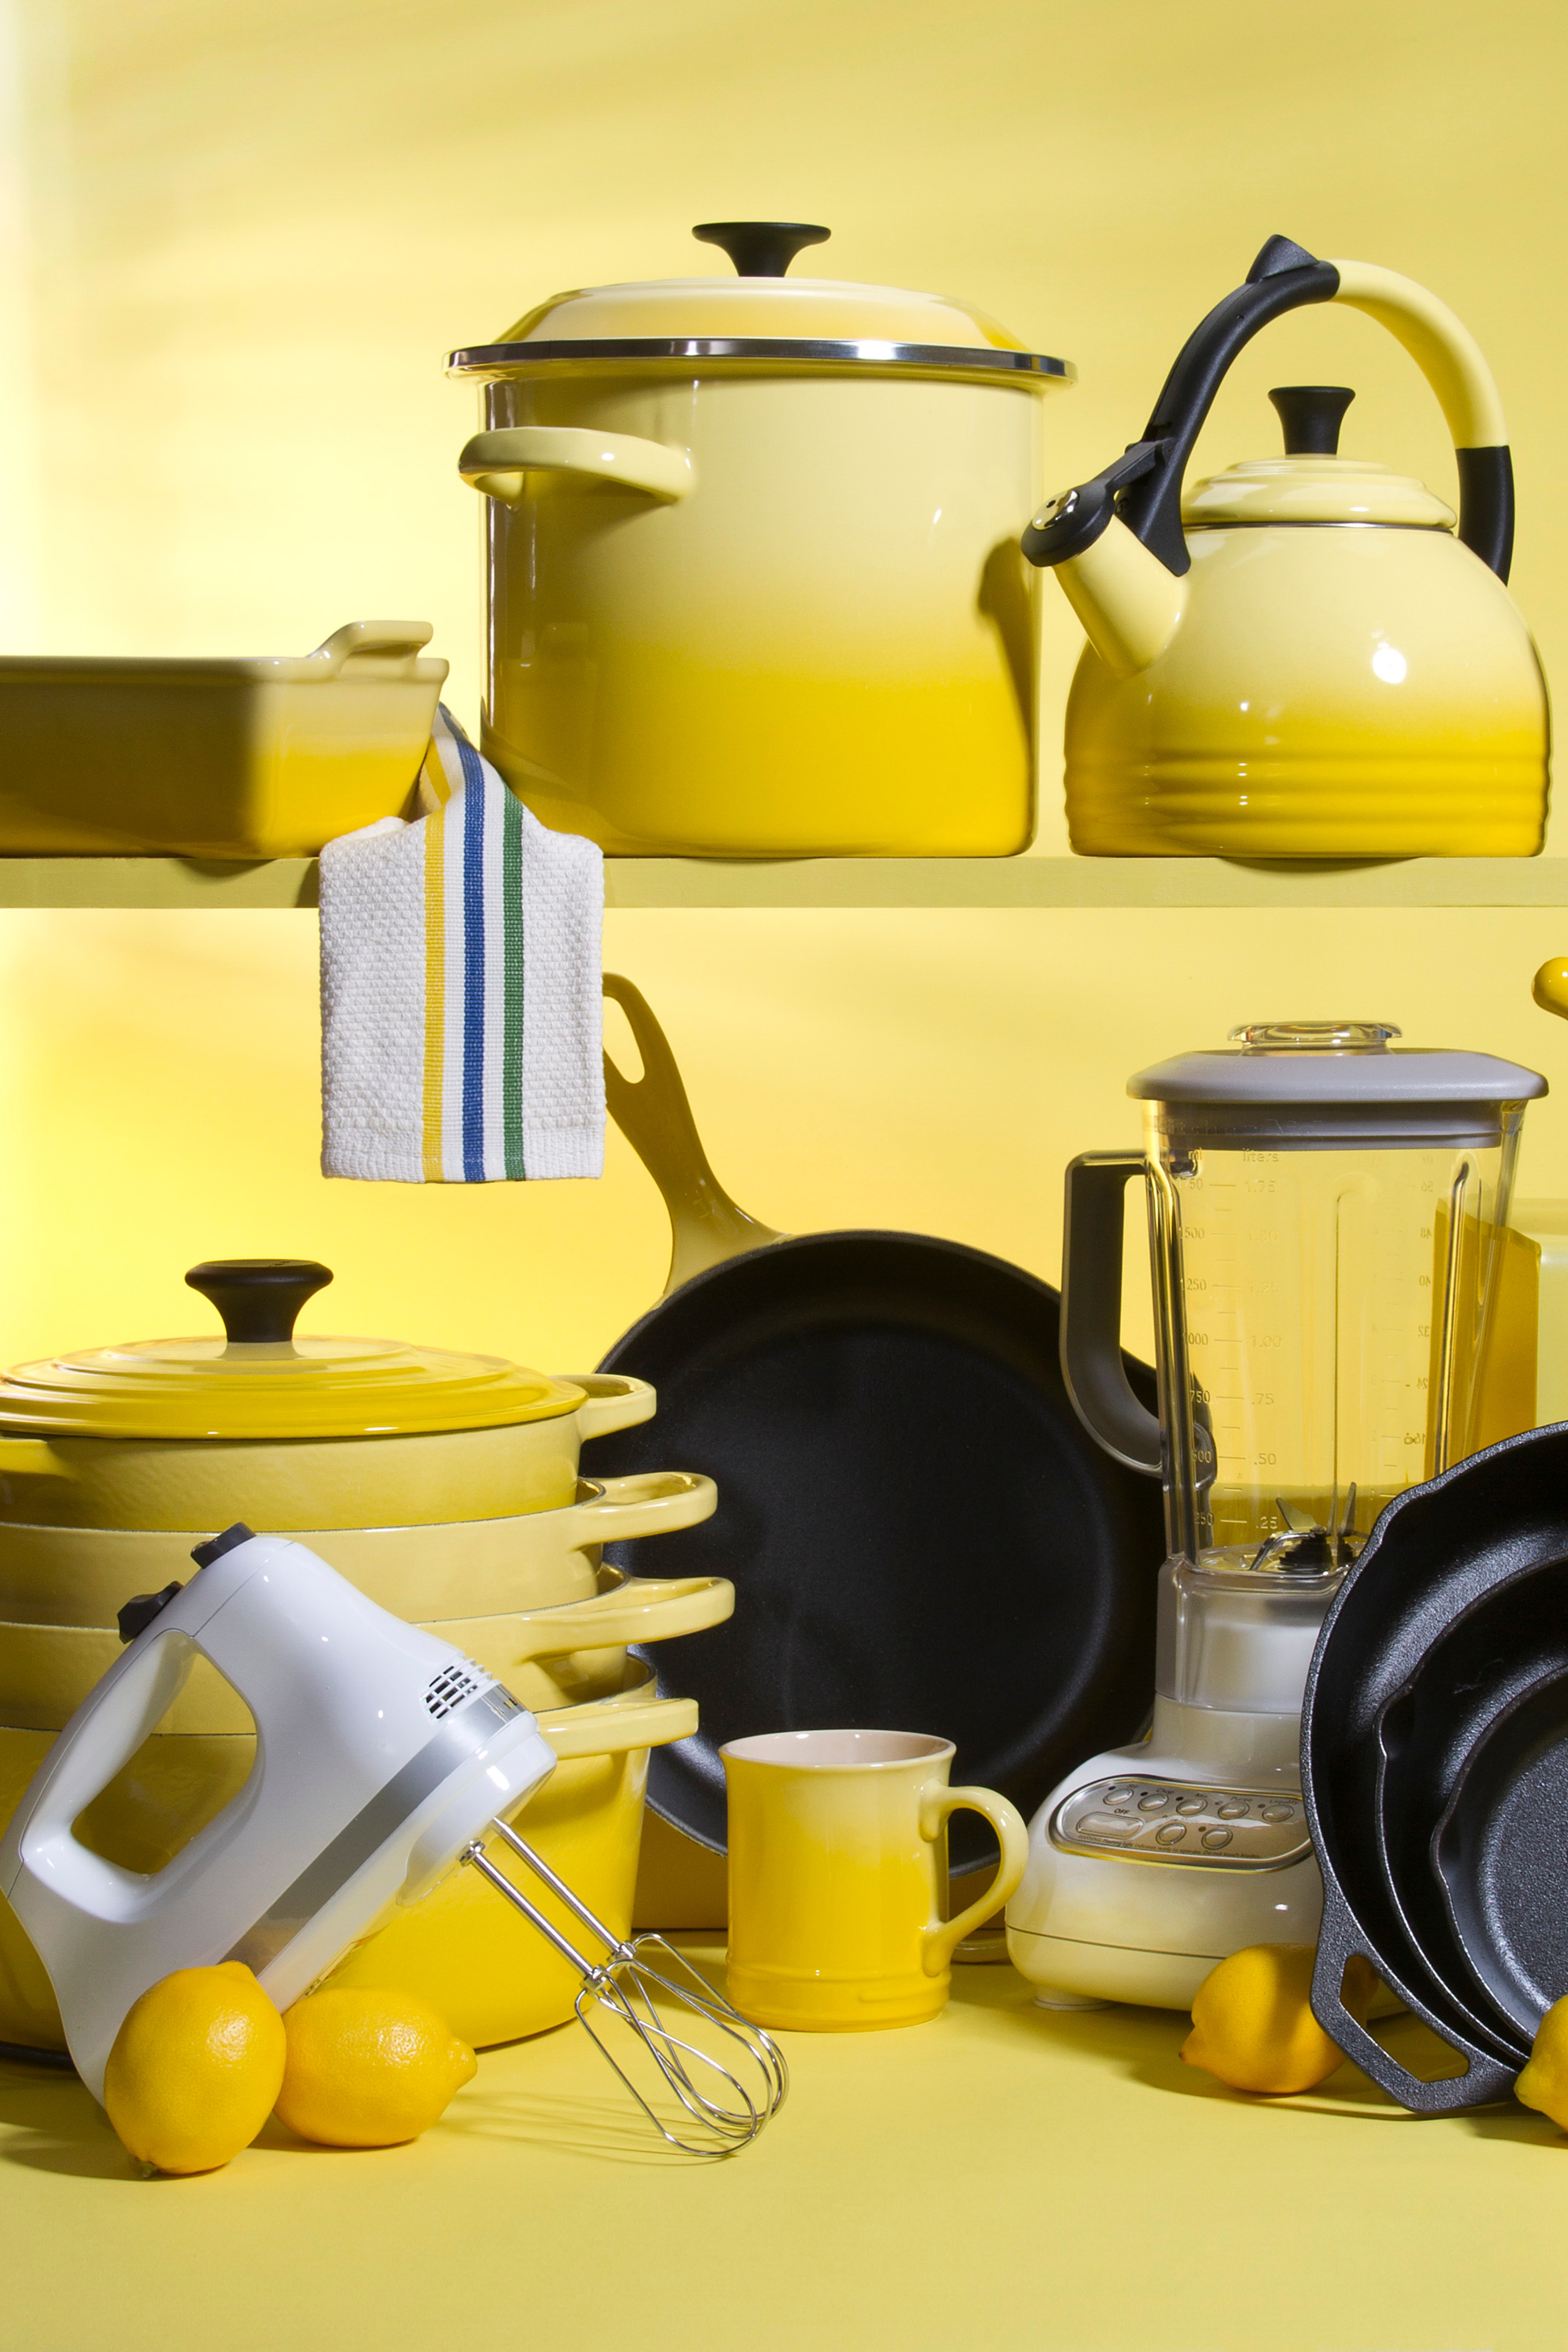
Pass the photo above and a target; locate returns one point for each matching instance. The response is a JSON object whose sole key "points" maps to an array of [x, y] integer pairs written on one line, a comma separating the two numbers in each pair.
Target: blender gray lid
{"points": [[1320, 1062]]}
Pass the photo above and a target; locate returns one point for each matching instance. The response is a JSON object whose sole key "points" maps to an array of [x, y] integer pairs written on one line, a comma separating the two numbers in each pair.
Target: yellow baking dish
{"points": [[222, 759]]}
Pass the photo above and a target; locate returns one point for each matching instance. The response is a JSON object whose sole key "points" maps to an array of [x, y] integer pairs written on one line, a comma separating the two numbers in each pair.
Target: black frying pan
{"points": [[922, 1535], [1481, 1547]]}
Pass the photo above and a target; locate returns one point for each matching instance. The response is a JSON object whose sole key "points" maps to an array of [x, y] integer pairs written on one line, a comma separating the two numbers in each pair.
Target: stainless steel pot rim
{"points": [[945, 359]]}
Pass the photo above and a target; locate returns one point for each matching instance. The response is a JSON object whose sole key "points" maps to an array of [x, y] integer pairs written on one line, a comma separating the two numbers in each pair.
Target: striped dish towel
{"points": [[461, 1019]]}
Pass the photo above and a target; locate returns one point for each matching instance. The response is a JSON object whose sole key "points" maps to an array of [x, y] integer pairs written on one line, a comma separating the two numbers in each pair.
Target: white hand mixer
{"points": [[382, 1754]]}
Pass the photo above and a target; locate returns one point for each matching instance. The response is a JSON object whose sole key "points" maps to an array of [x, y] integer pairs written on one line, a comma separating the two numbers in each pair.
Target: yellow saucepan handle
{"points": [[943, 1936], [646, 1503], [499, 463], [611, 1400], [641, 1609], [1550, 990], [604, 1727], [653, 1114]]}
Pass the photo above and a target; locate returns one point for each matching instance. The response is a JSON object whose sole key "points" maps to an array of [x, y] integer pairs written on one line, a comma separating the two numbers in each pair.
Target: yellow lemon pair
{"points": [[1253, 2024], [202, 2059]]}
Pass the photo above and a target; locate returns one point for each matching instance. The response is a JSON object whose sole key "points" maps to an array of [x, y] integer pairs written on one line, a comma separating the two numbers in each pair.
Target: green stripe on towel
{"points": [[511, 966]]}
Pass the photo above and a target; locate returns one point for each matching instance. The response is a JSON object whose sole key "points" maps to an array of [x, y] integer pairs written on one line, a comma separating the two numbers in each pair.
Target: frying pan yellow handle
{"points": [[1550, 990], [653, 1114]]}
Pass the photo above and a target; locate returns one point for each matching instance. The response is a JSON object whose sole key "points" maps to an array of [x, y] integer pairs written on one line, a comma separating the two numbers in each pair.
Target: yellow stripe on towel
{"points": [[435, 996]]}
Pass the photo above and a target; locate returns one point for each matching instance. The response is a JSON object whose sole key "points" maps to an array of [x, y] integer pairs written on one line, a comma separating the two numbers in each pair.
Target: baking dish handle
{"points": [[1485, 2079], [498, 464], [389, 647]]}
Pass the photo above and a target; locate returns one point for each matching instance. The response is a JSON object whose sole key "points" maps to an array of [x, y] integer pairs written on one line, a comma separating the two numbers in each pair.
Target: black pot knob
{"points": [[1312, 415], [761, 248], [258, 1297]]}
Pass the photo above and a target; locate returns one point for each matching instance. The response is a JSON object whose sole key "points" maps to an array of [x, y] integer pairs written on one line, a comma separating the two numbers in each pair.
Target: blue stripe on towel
{"points": [[473, 963]]}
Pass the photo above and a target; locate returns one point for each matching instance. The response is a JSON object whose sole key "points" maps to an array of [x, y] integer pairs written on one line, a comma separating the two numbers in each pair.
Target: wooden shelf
{"points": [[850, 882]]}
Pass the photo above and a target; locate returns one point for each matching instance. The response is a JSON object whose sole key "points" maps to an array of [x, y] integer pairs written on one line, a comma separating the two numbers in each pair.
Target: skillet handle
{"points": [[1486, 2081], [653, 1114]]}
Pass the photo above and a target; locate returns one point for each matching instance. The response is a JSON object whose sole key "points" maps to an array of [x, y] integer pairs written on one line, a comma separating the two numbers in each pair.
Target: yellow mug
{"points": [[838, 1861]]}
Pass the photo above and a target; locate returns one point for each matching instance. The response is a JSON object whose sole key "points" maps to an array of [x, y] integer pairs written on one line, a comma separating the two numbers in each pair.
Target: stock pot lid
{"points": [[258, 1380], [760, 318]]}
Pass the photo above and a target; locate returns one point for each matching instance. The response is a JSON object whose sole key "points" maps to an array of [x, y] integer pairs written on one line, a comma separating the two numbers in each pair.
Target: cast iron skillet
{"points": [[1485, 1542], [922, 1535]]}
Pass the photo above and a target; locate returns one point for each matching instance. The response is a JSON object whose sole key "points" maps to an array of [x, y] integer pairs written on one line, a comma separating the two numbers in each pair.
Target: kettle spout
{"points": [[1128, 600], [1129, 604]]}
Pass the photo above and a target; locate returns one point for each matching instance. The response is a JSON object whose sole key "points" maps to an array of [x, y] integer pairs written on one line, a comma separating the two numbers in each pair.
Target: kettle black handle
{"points": [[1147, 494], [259, 1298], [1092, 1362]]}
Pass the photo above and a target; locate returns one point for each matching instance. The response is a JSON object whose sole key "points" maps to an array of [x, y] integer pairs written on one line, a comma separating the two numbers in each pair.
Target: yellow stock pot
{"points": [[754, 581], [291, 1433]]}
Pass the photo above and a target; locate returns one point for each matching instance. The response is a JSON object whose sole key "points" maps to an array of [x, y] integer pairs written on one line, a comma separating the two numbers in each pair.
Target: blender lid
{"points": [[1314, 1063], [758, 318], [258, 1380]]}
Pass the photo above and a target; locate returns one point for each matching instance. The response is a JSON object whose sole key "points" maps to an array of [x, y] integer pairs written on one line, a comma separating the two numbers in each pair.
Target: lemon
{"points": [[368, 2067], [196, 2068], [1543, 2084], [1253, 2023]]}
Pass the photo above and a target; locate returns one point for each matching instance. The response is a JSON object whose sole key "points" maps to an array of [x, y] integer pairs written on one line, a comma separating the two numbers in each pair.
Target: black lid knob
{"points": [[761, 248], [258, 1297], [1312, 415]]}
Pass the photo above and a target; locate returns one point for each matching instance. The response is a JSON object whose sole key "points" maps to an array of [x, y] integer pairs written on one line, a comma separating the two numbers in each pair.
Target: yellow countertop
{"points": [[1003, 2178]]}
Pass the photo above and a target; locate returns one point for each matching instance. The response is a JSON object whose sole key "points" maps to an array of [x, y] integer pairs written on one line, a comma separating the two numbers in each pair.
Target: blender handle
{"points": [[1102, 1396]]}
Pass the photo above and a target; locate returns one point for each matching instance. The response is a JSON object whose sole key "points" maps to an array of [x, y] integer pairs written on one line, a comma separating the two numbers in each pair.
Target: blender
{"points": [[1334, 1285]]}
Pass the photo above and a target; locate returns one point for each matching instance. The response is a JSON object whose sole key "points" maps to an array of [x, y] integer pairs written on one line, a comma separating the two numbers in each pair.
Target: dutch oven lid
{"points": [[259, 1381], [761, 318]]}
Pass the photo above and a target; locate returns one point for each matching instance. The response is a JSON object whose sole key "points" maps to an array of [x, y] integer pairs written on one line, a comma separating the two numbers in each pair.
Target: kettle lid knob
{"points": [[1312, 415], [761, 248]]}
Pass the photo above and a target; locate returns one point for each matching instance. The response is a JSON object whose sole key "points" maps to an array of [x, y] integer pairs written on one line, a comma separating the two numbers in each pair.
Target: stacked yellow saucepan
{"points": [[445, 1487]]}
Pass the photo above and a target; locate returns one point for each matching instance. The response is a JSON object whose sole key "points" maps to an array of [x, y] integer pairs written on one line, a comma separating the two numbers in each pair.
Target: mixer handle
{"points": [[1092, 1362]]}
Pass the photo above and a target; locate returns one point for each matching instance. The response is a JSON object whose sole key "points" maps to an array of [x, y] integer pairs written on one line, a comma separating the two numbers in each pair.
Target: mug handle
{"points": [[941, 1939]]}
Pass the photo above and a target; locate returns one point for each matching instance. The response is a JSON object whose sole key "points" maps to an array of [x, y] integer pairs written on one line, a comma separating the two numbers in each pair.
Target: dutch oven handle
{"points": [[498, 464], [1486, 2078]]}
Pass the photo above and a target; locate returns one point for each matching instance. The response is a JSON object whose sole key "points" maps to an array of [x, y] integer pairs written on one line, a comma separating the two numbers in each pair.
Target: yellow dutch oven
{"points": [[754, 582], [459, 1567], [294, 1434], [461, 1950]]}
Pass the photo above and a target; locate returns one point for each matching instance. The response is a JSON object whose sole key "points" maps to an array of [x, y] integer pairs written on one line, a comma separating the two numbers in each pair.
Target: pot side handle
{"points": [[640, 1608], [389, 648], [498, 464], [1485, 2079], [604, 1728], [644, 1503], [706, 1226], [611, 1400]]}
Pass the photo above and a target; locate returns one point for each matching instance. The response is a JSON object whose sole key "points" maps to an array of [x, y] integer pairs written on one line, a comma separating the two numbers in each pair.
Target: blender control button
{"points": [[1277, 1813], [1170, 1833], [1152, 1801], [1191, 1804], [1230, 1811], [1117, 1795], [1108, 1826], [1215, 1840]]}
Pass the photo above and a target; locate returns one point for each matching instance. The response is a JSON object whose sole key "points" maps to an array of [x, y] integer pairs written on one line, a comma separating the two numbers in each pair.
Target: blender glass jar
{"points": [[1327, 1235]]}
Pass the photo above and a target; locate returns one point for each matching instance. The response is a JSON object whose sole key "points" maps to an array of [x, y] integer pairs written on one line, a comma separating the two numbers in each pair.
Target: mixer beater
{"points": [[624, 1986]]}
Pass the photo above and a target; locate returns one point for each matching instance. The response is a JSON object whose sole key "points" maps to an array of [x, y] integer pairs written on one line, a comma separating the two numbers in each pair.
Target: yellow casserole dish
{"points": [[235, 758]]}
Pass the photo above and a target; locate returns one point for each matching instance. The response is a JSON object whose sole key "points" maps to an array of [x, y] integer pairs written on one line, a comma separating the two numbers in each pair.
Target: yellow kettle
{"points": [[1301, 657]]}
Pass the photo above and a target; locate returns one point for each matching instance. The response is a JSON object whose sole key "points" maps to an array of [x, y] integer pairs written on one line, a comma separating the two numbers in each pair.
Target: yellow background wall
{"points": [[236, 242]]}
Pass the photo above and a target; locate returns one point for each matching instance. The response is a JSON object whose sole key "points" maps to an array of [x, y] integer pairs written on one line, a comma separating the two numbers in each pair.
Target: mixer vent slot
{"points": [[451, 1686]]}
